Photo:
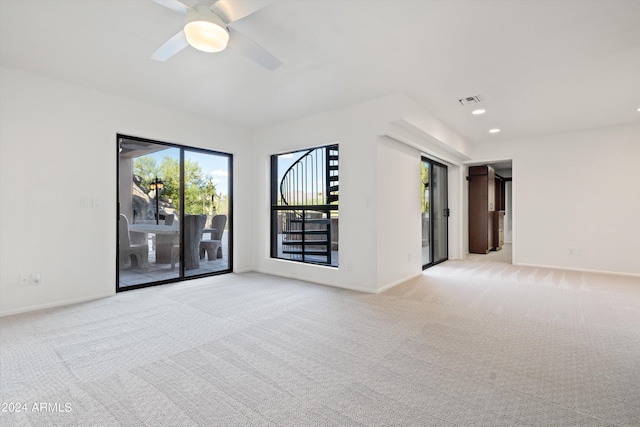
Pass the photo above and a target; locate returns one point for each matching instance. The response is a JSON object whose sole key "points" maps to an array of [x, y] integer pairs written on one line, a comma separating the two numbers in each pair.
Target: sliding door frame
{"points": [[181, 272], [445, 212]]}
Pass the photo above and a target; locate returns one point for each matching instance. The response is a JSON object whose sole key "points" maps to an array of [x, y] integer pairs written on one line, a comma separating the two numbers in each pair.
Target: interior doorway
{"points": [[435, 212], [490, 195]]}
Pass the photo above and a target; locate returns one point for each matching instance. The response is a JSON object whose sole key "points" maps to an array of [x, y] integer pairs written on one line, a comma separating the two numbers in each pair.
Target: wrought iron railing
{"points": [[313, 179], [306, 233]]}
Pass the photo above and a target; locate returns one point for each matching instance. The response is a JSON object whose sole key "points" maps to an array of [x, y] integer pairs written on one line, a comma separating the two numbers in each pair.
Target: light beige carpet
{"points": [[468, 343]]}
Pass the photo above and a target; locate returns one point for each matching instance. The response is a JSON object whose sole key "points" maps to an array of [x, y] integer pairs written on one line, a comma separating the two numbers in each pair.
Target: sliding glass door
{"points": [[435, 212], [174, 210]]}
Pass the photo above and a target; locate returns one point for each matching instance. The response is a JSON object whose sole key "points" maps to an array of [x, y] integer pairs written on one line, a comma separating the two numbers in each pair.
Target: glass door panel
{"points": [[439, 212], [206, 206], [435, 212], [148, 226], [424, 202]]}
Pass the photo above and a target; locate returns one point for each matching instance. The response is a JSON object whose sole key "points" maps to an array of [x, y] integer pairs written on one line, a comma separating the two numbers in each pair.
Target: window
{"points": [[175, 213], [304, 205]]}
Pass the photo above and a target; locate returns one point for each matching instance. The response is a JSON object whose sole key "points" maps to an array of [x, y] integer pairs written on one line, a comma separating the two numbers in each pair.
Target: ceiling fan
{"points": [[207, 29]]}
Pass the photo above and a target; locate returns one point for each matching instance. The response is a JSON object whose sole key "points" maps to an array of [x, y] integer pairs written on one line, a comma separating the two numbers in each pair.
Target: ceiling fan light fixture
{"points": [[205, 31]]}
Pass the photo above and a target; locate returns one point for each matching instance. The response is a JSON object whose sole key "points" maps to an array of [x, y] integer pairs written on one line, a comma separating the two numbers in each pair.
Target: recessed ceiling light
{"points": [[496, 130], [479, 111], [638, 109]]}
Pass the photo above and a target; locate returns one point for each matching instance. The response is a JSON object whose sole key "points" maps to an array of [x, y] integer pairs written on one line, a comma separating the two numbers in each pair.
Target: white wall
{"points": [[576, 190], [399, 231], [57, 146]]}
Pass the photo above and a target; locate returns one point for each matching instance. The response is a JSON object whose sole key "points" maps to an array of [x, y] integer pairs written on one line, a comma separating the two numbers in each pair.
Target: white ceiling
{"points": [[543, 66]]}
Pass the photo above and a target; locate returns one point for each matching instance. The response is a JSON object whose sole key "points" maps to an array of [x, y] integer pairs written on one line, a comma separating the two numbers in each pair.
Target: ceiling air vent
{"points": [[471, 100]]}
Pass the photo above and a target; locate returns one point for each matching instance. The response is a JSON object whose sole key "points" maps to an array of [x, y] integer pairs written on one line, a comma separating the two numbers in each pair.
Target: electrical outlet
{"points": [[36, 279], [577, 251], [25, 279], [349, 266]]}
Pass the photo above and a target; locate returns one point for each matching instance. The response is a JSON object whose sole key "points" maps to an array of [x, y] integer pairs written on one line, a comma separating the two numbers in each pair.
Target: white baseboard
{"points": [[341, 286], [244, 270], [53, 304], [397, 282], [581, 270], [319, 282]]}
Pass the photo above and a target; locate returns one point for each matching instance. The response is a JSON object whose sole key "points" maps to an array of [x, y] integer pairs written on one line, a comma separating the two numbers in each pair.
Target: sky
{"points": [[215, 167]]}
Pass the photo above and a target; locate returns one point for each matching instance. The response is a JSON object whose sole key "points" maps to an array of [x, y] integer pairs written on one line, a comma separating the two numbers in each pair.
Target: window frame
{"points": [[307, 212]]}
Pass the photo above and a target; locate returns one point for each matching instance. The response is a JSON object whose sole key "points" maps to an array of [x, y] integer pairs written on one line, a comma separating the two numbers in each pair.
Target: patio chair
{"points": [[138, 253], [213, 246]]}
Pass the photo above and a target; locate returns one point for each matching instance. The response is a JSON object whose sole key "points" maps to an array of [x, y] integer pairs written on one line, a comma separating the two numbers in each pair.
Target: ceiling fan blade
{"points": [[232, 10], [172, 46], [252, 50], [174, 5]]}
